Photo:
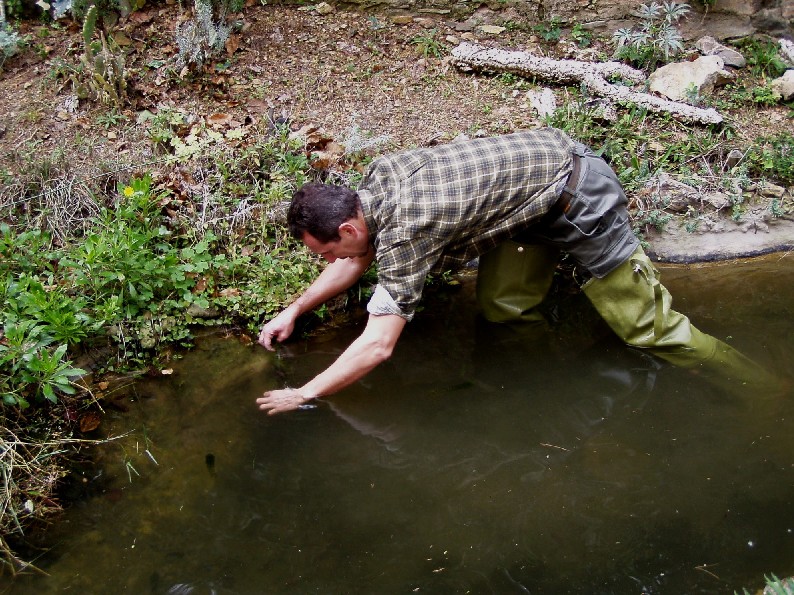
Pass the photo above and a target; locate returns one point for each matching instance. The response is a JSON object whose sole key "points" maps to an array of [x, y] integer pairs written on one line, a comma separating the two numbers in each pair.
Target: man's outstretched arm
{"points": [[373, 346], [335, 278]]}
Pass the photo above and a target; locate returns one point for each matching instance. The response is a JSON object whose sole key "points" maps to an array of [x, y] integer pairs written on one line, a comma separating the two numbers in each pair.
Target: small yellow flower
{"points": [[128, 191]]}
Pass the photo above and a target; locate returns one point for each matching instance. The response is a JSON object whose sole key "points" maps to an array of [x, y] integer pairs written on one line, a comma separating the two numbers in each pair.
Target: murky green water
{"points": [[478, 460]]}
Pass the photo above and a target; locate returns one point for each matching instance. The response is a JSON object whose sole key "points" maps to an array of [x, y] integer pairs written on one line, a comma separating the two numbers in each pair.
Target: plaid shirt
{"points": [[434, 209]]}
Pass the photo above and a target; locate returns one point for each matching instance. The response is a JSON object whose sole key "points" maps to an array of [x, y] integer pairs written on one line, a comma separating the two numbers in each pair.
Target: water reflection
{"points": [[480, 459]]}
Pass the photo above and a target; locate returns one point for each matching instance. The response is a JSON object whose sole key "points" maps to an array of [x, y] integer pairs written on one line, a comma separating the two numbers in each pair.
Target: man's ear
{"points": [[347, 228]]}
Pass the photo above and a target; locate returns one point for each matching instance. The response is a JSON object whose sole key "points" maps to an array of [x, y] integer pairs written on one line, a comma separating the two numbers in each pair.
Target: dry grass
{"points": [[30, 470]]}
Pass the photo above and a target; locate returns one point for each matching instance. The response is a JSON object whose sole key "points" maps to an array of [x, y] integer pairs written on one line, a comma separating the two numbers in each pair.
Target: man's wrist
{"points": [[294, 309], [308, 393]]}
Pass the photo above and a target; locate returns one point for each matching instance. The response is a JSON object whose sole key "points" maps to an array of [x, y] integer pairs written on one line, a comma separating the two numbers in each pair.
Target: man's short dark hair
{"points": [[320, 209]]}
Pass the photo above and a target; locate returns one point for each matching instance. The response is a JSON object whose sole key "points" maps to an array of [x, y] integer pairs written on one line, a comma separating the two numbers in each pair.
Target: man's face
{"points": [[352, 243]]}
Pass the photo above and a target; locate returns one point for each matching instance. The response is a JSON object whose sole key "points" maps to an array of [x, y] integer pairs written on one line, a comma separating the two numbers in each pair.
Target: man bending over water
{"points": [[514, 201]]}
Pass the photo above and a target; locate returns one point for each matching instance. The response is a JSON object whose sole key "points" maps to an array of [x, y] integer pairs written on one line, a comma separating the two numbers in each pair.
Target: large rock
{"points": [[772, 22], [679, 80]]}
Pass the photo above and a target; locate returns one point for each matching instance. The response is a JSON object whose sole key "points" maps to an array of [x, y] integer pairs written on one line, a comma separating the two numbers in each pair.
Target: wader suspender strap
{"points": [[651, 278]]}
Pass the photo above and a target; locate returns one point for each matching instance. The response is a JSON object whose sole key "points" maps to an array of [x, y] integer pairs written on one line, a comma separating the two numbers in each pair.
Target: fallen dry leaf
{"points": [[232, 43], [89, 421], [219, 120], [201, 285]]}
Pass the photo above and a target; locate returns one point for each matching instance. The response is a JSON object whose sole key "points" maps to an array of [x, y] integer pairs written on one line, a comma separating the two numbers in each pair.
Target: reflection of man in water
{"points": [[515, 201]]}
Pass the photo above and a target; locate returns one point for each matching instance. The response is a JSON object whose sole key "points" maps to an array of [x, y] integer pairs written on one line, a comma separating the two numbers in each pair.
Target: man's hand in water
{"points": [[279, 328], [279, 401]]}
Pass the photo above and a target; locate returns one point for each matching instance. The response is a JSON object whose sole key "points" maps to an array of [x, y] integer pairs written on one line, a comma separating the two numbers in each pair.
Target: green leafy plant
{"points": [[104, 8], [774, 586], [773, 157], [656, 39], [110, 119], [10, 42], [581, 36], [429, 45], [508, 79], [30, 367], [550, 30], [763, 56], [765, 95]]}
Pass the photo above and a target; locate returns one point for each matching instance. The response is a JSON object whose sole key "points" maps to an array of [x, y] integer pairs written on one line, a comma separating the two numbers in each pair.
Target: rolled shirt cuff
{"points": [[382, 303]]}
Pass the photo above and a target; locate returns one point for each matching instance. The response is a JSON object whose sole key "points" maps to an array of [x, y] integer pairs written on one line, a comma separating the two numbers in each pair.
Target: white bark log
{"points": [[593, 75]]}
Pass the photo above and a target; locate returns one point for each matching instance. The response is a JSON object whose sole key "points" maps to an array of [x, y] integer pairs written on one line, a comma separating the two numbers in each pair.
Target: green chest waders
{"points": [[638, 308], [513, 279]]}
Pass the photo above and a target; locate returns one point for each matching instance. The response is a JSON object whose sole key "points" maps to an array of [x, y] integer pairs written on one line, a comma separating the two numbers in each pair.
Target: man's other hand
{"points": [[278, 329]]}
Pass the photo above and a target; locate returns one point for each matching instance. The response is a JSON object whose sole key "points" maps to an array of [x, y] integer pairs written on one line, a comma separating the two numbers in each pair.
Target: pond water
{"points": [[480, 459]]}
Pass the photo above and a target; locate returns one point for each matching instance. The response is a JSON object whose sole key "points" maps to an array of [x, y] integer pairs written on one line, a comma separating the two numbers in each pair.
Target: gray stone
{"points": [[743, 7], [491, 29], [770, 190], [198, 312], [324, 8], [771, 22], [717, 200], [677, 81], [674, 195], [718, 25], [542, 101], [402, 19], [787, 50], [733, 159], [708, 46], [787, 9]]}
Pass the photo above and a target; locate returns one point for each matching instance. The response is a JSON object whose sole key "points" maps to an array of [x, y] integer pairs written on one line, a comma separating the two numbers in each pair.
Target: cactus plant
{"points": [[102, 74]]}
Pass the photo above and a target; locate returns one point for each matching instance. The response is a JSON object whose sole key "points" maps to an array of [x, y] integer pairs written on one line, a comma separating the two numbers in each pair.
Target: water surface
{"points": [[480, 459]]}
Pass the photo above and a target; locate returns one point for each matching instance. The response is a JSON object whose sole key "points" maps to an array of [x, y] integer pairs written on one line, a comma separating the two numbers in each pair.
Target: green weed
{"points": [[550, 30], [656, 38], [773, 157], [765, 95], [581, 36], [429, 45], [110, 119], [31, 367], [763, 56]]}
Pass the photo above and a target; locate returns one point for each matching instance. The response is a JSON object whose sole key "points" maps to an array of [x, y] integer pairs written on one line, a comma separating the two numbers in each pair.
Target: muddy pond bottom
{"points": [[479, 459]]}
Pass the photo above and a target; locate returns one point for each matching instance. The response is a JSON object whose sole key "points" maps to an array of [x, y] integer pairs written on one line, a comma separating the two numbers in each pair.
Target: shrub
{"points": [[657, 39], [10, 42], [201, 37], [773, 157]]}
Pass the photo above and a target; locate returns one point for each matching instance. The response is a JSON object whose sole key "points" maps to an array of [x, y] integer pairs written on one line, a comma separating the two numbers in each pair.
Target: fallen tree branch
{"points": [[593, 75]]}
